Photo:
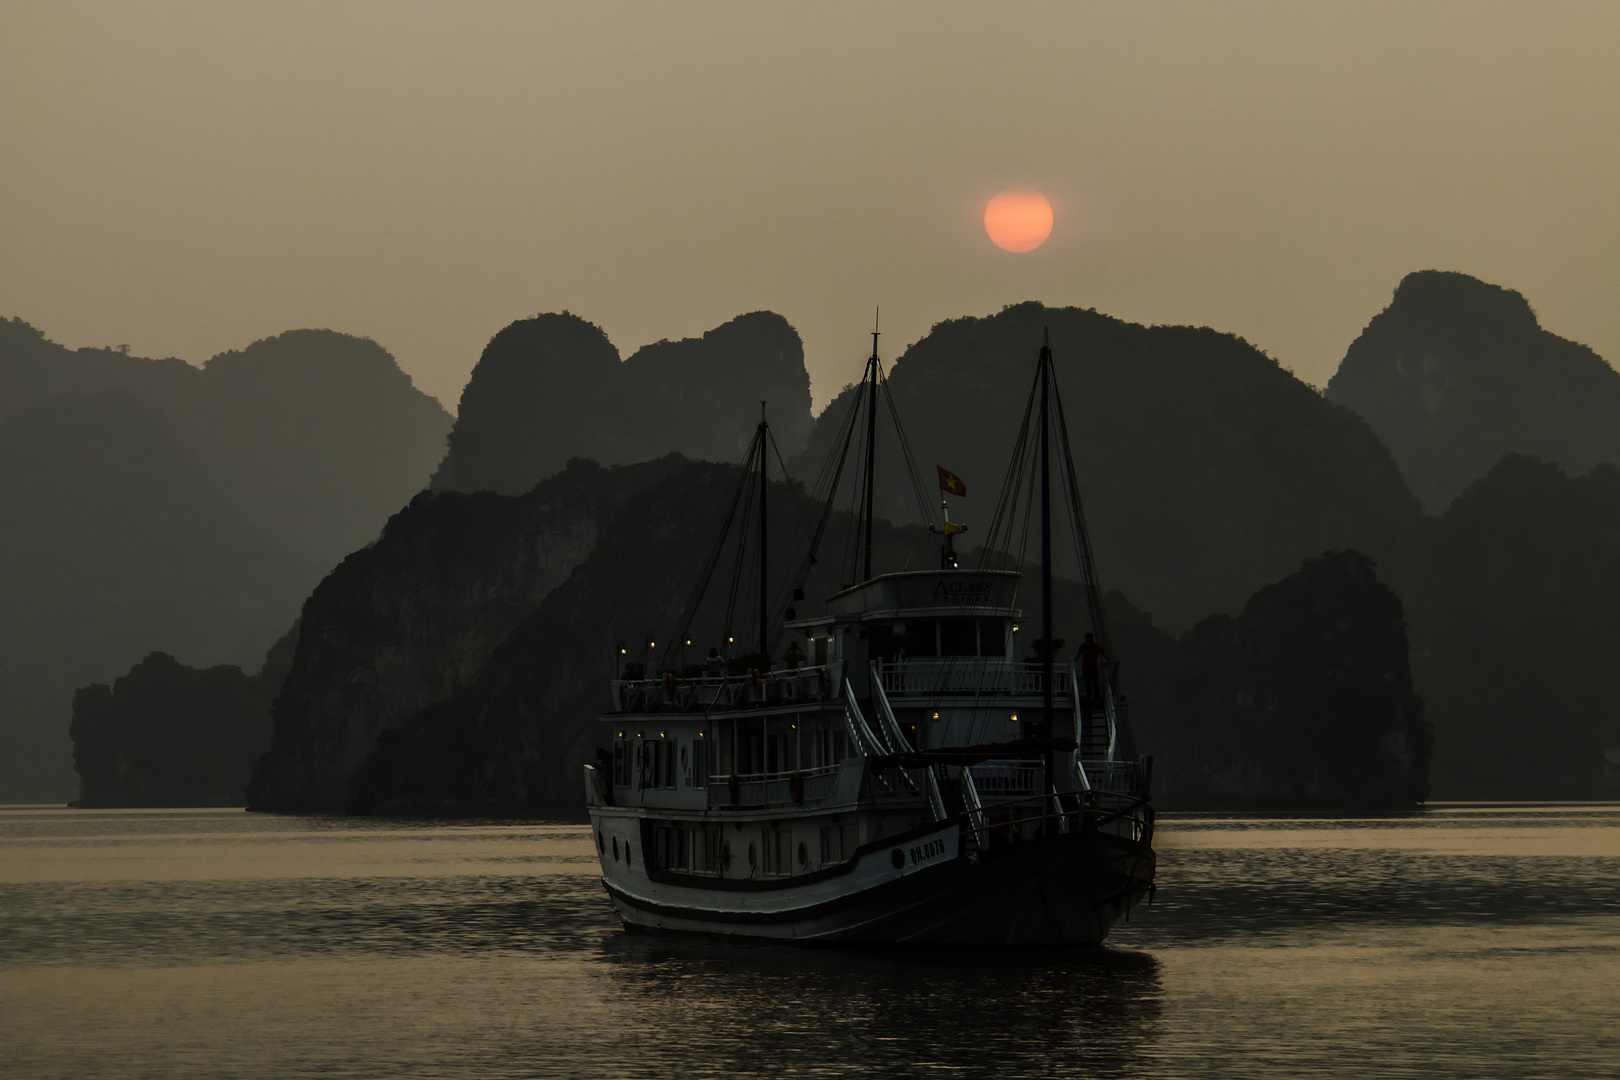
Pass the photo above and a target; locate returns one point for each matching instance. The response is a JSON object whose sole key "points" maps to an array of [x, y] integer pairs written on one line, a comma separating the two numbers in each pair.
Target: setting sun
{"points": [[1018, 220]]}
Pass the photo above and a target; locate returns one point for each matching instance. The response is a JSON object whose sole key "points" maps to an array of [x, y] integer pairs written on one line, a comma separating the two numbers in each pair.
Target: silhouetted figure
{"points": [[1091, 655], [794, 657], [714, 665]]}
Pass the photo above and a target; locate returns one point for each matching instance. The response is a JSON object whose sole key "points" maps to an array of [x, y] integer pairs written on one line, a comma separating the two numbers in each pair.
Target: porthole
{"points": [[600, 845], [753, 859], [615, 849], [627, 853], [683, 759], [804, 854], [897, 857], [725, 856]]}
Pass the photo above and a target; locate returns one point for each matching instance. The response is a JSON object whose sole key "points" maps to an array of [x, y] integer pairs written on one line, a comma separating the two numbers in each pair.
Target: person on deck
{"points": [[1090, 656], [714, 665], [794, 657]]}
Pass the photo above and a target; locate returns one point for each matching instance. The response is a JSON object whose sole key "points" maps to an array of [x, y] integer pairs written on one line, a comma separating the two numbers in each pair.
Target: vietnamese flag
{"points": [[950, 483]]}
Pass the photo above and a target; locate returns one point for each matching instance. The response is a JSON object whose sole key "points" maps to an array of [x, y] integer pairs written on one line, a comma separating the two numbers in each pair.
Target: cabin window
{"points": [[706, 849], [922, 637], [702, 763], [778, 851], [658, 763], [958, 637], [623, 760], [832, 746], [669, 848], [992, 637], [838, 843]]}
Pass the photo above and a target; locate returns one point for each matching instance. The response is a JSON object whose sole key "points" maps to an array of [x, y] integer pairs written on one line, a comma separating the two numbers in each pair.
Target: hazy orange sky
{"points": [[187, 178]]}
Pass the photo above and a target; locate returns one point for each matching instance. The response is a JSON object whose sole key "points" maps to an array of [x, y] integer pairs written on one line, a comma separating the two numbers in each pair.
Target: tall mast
{"points": [[762, 438], [871, 446], [1046, 555]]}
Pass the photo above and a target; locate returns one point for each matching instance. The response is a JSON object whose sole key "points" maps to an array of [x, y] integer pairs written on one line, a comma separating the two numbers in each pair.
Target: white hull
{"points": [[1067, 889]]}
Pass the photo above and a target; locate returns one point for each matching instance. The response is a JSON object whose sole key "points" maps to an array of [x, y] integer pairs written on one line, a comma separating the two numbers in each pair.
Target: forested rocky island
{"points": [[1303, 620]]}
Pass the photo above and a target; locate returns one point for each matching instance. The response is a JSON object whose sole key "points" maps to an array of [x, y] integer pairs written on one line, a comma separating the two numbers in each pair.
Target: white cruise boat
{"points": [[904, 779]]}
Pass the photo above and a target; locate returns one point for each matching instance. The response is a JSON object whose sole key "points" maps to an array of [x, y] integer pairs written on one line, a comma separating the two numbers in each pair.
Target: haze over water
{"points": [[1466, 941]]}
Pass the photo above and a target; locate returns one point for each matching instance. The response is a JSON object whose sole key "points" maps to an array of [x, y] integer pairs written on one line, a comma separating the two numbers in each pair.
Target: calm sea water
{"points": [[1466, 941]]}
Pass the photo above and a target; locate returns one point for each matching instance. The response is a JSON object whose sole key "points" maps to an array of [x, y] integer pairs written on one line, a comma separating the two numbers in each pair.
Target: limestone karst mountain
{"points": [[401, 625], [1455, 372], [1516, 651], [150, 505], [312, 436], [551, 388], [164, 734], [115, 544], [1207, 470]]}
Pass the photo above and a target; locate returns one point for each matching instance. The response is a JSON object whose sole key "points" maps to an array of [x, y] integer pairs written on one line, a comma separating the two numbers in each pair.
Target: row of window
{"points": [[699, 849]]}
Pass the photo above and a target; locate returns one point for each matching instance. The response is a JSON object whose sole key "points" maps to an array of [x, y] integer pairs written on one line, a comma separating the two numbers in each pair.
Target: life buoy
{"points": [[669, 686], [796, 786], [825, 682]]}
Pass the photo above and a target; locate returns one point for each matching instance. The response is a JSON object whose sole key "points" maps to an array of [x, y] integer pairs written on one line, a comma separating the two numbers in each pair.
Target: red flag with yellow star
{"points": [[950, 483]]}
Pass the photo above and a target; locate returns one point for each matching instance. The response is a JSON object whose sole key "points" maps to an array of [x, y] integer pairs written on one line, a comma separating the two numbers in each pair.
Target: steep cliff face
{"points": [[552, 388], [401, 625], [1302, 701], [512, 741], [1207, 469], [1455, 373]]}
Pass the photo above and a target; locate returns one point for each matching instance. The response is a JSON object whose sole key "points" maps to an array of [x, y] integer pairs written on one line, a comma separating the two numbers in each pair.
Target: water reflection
{"points": [[1471, 941], [766, 1011]]}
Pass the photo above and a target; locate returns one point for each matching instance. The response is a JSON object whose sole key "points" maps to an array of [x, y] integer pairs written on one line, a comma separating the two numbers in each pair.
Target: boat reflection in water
{"points": [[905, 779]]}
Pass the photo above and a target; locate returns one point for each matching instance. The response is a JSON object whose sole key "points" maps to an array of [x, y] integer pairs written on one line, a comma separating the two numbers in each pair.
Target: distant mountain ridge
{"points": [[150, 505], [552, 388], [1207, 470], [1455, 373]]}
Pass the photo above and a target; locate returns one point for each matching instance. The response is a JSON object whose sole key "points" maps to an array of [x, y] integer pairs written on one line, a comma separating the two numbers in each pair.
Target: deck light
{"points": [[731, 641], [934, 717], [1015, 628], [661, 734], [1013, 718]]}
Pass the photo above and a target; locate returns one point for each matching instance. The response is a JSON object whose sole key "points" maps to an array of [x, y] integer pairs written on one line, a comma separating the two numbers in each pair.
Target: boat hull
{"points": [[1067, 889]]}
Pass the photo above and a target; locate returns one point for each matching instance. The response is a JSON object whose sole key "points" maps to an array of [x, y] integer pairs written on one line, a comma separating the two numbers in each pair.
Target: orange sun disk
{"points": [[1018, 220]]}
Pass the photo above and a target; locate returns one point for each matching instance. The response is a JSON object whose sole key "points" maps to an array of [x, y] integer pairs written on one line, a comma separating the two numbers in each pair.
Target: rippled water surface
{"points": [[1466, 941]]}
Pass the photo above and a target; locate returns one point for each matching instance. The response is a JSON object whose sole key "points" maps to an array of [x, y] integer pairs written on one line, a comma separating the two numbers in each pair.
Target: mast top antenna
{"points": [[877, 314]]}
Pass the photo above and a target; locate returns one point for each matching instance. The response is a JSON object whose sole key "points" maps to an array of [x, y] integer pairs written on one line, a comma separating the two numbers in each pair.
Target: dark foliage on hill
{"points": [[1206, 468], [403, 624], [1302, 701], [1518, 650], [552, 388], [115, 544], [513, 741], [1456, 372], [169, 735]]}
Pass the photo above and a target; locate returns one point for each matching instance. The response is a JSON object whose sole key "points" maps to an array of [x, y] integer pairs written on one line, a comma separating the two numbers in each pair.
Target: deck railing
{"points": [[968, 675], [670, 693], [773, 789]]}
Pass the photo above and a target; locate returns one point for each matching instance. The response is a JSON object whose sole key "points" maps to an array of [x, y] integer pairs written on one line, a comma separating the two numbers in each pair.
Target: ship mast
{"points": [[1048, 651], [871, 449], [763, 437]]}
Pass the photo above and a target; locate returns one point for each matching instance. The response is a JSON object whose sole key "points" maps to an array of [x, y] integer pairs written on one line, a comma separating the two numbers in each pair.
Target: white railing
{"points": [[773, 789], [703, 693], [968, 675], [997, 781]]}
